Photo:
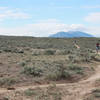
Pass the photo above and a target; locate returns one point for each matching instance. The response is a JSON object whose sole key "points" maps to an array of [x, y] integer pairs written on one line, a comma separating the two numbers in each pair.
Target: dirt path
{"points": [[80, 89], [76, 91]]}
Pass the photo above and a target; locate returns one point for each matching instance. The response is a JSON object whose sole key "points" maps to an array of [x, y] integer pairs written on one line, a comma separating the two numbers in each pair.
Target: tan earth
{"points": [[75, 91]]}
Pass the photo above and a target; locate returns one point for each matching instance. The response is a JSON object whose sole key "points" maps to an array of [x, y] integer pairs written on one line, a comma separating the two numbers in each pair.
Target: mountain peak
{"points": [[70, 34]]}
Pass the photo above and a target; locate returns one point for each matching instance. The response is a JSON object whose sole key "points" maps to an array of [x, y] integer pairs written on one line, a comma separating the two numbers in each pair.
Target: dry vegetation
{"points": [[27, 61]]}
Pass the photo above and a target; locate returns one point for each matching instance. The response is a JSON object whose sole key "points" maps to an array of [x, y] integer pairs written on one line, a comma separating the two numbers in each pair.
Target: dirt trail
{"points": [[76, 91], [80, 89]]}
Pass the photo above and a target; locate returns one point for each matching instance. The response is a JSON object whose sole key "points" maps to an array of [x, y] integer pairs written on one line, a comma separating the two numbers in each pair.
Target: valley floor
{"points": [[49, 69]]}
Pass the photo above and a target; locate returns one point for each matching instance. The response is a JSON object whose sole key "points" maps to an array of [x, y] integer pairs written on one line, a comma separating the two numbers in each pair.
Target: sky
{"points": [[42, 18]]}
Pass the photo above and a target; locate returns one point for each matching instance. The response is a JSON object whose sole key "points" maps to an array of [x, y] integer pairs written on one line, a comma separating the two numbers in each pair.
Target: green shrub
{"points": [[22, 64], [0, 51], [7, 81], [73, 58], [54, 75], [55, 71], [85, 55], [5, 98], [63, 52], [36, 52], [76, 69], [34, 71], [31, 92], [49, 52], [12, 50], [50, 93], [7, 50], [20, 51], [96, 93], [67, 72]]}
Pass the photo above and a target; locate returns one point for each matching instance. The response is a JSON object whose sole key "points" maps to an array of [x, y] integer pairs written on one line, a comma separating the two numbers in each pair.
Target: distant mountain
{"points": [[71, 34]]}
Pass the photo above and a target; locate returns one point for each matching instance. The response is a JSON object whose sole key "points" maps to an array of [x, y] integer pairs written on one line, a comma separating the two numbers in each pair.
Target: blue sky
{"points": [[45, 17]]}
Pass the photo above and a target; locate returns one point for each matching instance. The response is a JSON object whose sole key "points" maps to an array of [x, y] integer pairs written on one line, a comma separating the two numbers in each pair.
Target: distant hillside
{"points": [[71, 34]]}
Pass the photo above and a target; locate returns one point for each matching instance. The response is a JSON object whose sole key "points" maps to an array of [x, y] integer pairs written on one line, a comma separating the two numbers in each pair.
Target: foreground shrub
{"points": [[55, 75], [22, 63], [49, 52], [55, 71], [63, 52], [76, 68], [12, 50], [49, 93], [34, 71], [67, 72], [96, 93], [7, 81], [32, 92], [85, 55]]}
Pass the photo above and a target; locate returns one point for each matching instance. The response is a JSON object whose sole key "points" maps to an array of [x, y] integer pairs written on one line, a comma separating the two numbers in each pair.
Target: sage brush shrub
{"points": [[50, 52], [22, 63], [76, 69], [85, 55], [7, 81], [31, 92], [96, 93], [34, 71], [62, 72], [55, 71], [49, 93]]}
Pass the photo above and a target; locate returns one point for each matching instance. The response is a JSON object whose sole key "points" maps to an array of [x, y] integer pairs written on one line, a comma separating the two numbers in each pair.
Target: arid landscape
{"points": [[49, 69]]}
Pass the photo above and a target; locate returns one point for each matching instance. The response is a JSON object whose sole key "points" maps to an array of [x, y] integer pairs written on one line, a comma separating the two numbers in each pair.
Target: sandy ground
{"points": [[75, 91]]}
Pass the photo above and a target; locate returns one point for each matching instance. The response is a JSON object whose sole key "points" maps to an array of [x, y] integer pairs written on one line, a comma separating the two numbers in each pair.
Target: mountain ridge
{"points": [[70, 34]]}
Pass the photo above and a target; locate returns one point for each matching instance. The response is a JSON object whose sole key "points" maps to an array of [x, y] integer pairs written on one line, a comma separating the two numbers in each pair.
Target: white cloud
{"points": [[3, 8], [94, 30], [63, 7], [91, 7], [54, 5], [13, 14], [47, 27], [93, 17], [16, 15]]}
